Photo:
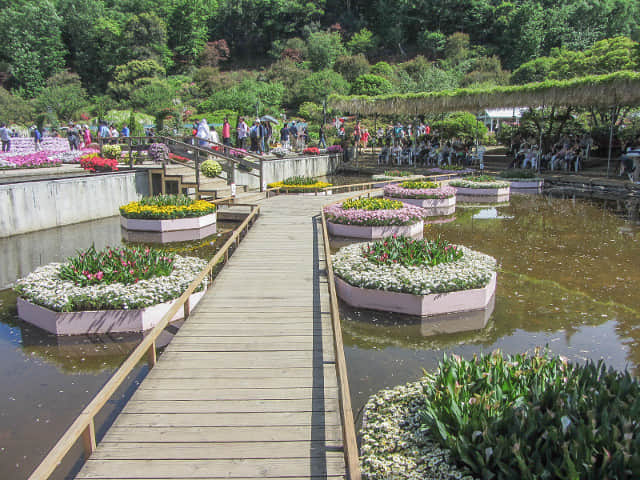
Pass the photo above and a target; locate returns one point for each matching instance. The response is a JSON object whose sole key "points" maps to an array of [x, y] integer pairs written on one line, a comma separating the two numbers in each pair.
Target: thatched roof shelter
{"points": [[616, 89]]}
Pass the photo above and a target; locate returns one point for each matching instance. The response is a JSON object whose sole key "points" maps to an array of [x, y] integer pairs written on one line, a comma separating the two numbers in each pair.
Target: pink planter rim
{"points": [[373, 231]]}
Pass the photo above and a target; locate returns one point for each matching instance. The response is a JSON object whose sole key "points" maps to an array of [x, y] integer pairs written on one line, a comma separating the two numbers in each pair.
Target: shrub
{"points": [[95, 163], [158, 152], [211, 168], [526, 416], [111, 151], [370, 84], [335, 149]]}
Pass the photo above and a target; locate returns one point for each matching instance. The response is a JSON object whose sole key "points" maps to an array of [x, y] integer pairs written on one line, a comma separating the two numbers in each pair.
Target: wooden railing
{"points": [[84, 426], [351, 455]]}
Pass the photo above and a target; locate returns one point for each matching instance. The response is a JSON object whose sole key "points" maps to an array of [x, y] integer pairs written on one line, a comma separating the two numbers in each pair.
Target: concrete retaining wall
{"points": [[30, 206], [276, 170]]}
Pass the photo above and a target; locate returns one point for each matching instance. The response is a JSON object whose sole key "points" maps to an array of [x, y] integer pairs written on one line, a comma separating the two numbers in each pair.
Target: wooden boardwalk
{"points": [[247, 388]]}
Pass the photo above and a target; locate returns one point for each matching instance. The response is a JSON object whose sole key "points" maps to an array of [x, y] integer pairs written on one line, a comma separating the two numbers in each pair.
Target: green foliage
{"points": [[410, 253], [154, 98], [420, 185], [211, 168], [372, 204], [383, 69], [244, 97], [111, 151], [532, 416], [145, 37], [362, 42], [371, 85], [14, 108], [432, 43], [189, 30], [123, 265], [324, 48], [63, 98], [287, 48], [299, 180], [318, 85], [32, 43], [311, 111], [398, 173], [461, 125], [351, 67]]}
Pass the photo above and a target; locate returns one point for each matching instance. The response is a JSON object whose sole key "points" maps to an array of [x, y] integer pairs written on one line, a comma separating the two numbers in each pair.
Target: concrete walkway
{"points": [[248, 387]]}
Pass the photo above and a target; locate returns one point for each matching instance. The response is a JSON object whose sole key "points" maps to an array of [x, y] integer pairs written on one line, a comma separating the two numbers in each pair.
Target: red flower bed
{"points": [[178, 158], [311, 151], [96, 163]]}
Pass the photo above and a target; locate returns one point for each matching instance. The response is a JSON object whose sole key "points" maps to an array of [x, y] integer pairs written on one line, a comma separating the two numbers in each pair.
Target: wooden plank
{"points": [[236, 394], [212, 450], [233, 383], [281, 433], [231, 406], [258, 468]]}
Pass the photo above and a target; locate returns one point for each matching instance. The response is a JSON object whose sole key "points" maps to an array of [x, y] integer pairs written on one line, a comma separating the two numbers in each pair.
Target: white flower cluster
{"points": [[472, 270], [44, 287], [465, 183], [394, 446]]}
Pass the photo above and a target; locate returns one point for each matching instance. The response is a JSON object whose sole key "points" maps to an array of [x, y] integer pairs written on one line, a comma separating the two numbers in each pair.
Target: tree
{"points": [[145, 37], [324, 48], [383, 69], [317, 86], [214, 53], [362, 42], [32, 43], [14, 108], [461, 125], [371, 85], [351, 67], [132, 75], [189, 28], [432, 43], [63, 97]]}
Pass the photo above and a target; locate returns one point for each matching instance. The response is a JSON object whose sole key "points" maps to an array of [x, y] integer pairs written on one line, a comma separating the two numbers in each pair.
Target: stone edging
{"points": [[435, 207], [154, 225]]}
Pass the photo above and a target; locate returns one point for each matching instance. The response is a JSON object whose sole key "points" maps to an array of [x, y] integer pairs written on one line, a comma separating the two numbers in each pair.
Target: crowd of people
{"points": [[569, 153]]}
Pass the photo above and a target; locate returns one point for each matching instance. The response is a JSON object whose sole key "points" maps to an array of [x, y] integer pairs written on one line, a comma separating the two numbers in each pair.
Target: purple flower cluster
{"points": [[26, 145], [334, 149], [437, 170], [396, 191], [408, 215]]}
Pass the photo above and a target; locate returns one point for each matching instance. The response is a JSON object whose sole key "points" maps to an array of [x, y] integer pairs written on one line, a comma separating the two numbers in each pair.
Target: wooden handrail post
{"points": [[197, 163], [89, 439], [130, 152], [151, 354], [187, 308], [262, 184]]}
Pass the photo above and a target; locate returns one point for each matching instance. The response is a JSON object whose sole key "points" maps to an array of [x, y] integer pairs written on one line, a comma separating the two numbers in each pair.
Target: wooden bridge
{"points": [[248, 387]]}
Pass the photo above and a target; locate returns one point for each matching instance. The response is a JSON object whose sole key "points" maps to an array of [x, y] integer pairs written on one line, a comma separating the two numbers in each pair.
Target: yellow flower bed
{"points": [[300, 188], [199, 208]]}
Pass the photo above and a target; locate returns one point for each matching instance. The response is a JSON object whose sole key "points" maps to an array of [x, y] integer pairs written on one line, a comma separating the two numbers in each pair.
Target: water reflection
{"points": [[47, 379], [568, 278]]}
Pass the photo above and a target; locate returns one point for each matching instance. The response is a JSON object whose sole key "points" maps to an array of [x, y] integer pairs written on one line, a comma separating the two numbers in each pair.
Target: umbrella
{"points": [[269, 118]]}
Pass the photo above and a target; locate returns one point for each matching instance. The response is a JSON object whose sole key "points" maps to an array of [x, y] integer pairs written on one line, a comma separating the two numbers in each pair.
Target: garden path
{"points": [[248, 387]]}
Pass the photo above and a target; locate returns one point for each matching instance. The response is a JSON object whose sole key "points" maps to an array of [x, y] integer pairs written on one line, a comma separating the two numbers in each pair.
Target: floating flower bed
{"points": [[436, 199], [416, 277], [374, 218], [113, 290], [395, 174], [302, 185], [482, 187], [519, 416], [522, 179], [174, 218]]}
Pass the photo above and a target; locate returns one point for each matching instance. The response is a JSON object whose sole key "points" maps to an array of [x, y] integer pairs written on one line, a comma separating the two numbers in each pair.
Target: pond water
{"points": [[568, 280], [47, 380]]}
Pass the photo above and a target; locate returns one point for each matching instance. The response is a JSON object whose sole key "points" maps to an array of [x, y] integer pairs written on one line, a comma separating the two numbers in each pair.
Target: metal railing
{"points": [[84, 425]]}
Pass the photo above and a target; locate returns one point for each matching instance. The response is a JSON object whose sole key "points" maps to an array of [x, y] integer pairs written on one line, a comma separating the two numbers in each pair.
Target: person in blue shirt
{"points": [[37, 138], [125, 131]]}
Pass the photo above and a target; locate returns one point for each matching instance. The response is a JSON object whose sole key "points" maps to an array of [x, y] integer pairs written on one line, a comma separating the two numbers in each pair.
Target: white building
{"points": [[494, 117]]}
